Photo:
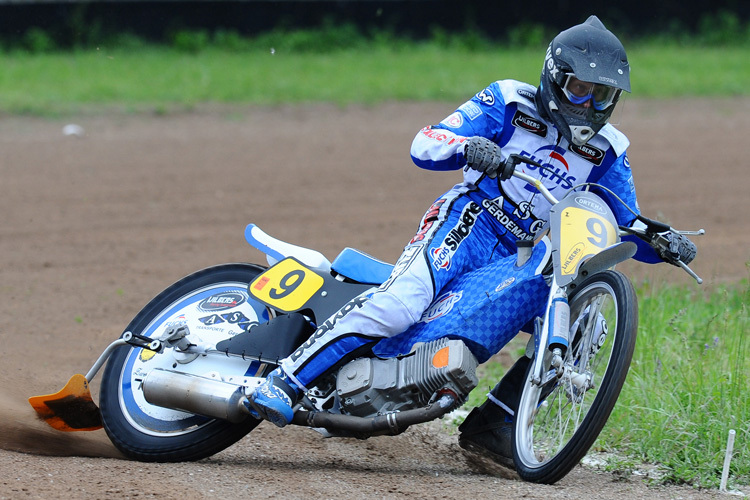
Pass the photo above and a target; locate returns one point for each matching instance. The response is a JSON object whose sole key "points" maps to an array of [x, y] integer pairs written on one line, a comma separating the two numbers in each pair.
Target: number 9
{"points": [[598, 231], [287, 284]]}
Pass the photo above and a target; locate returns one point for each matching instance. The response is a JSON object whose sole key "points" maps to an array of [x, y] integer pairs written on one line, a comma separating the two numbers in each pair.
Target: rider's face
{"points": [[586, 94], [579, 88]]}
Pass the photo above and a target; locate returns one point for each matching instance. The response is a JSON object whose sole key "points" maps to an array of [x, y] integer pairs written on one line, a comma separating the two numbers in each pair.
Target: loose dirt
{"points": [[95, 225]]}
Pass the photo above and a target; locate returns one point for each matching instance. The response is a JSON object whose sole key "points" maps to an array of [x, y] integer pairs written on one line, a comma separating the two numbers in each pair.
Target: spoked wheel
{"points": [[214, 304], [559, 419]]}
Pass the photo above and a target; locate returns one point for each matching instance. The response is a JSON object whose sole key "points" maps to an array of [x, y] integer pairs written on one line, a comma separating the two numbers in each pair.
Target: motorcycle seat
{"points": [[361, 267]]}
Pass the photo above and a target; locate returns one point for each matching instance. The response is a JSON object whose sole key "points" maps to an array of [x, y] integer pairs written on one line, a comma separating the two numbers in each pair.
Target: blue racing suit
{"points": [[475, 222]]}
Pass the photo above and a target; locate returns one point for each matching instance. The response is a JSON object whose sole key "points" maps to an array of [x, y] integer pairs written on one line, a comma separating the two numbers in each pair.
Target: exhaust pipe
{"points": [[194, 394], [390, 423]]}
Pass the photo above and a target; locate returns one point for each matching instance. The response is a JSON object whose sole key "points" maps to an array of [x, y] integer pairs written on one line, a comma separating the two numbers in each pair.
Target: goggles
{"points": [[579, 92]]}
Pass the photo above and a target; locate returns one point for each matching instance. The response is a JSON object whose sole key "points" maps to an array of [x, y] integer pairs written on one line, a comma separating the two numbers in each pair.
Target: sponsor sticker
{"points": [[403, 263], [222, 301], [442, 306], [471, 109], [355, 303], [526, 93], [428, 221], [442, 255], [454, 121], [486, 97], [590, 204], [525, 122], [588, 153], [505, 284]]}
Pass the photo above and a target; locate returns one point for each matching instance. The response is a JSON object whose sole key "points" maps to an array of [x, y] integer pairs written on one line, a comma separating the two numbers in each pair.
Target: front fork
{"points": [[551, 335]]}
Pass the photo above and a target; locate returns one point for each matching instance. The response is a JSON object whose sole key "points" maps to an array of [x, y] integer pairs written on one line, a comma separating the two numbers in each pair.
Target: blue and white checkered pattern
{"points": [[496, 301]]}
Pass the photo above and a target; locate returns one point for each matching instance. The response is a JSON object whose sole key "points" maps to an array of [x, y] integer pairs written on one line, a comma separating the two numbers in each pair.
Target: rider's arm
{"points": [[441, 146], [619, 179]]}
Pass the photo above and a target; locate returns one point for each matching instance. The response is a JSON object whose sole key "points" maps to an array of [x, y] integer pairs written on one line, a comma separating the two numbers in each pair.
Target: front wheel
{"points": [[559, 419], [214, 304]]}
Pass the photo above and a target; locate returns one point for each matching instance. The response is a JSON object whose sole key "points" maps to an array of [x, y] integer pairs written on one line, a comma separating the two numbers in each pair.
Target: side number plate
{"points": [[286, 286]]}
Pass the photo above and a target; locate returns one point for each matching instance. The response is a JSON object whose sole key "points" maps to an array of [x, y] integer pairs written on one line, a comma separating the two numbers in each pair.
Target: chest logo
{"points": [[588, 153], [529, 124]]}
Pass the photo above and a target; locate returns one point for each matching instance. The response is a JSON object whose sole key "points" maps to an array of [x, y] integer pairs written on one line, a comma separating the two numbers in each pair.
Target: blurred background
{"points": [[71, 22]]}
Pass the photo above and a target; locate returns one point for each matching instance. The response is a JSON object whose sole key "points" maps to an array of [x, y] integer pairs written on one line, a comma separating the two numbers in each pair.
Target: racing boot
{"points": [[487, 431], [274, 399]]}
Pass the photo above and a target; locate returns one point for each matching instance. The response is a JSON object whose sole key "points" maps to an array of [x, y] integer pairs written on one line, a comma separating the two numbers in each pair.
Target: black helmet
{"points": [[585, 71]]}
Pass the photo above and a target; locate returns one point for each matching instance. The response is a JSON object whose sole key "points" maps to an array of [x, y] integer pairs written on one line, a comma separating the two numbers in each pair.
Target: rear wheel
{"points": [[214, 304], [558, 420]]}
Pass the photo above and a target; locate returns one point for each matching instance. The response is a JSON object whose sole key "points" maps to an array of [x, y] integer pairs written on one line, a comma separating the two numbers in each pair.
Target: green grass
{"points": [[686, 389], [158, 78], [688, 385]]}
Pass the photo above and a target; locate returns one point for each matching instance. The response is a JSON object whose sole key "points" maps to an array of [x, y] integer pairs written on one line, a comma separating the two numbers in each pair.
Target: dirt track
{"points": [[94, 226]]}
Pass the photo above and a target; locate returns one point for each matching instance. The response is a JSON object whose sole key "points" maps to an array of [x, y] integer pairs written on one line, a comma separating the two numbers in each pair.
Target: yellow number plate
{"points": [[583, 234], [286, 286]]}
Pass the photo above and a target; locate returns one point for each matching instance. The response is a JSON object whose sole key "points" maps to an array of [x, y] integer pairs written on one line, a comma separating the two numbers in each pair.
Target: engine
{"points": [[370, 386]]}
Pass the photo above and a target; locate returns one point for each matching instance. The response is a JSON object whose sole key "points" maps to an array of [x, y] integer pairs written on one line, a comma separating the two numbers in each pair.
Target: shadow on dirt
{"points": [[22, 431]]}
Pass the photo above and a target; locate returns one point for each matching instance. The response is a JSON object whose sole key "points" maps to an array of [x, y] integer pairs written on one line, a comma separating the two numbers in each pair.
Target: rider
{"points": [[563, 125]]}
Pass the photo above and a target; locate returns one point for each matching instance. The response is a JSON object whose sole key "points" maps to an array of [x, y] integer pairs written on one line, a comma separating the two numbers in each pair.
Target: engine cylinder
{"points": [[372, 386]]}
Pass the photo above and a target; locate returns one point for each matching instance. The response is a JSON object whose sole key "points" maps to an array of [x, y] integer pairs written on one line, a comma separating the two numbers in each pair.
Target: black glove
{"points": [[483, 155], [679, 247]]}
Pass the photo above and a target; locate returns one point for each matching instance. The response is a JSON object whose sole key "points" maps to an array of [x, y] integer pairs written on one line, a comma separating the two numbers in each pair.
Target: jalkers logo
{"points": [[222, 301], [529, 124], [588, 153]]}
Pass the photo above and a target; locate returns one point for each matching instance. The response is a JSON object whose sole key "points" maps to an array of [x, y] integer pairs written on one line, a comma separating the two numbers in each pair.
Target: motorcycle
{"points": [[176, 380]]}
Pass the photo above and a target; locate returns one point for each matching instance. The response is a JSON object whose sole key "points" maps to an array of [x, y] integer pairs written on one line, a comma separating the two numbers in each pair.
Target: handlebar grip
{"points": [[654, 226]]}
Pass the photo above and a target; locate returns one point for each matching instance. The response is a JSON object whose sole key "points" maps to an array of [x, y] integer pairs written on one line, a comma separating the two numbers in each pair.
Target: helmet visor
{"points": [[580, 93]]}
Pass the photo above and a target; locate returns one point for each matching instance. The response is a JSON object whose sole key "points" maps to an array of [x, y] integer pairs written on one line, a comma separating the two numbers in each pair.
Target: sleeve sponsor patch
{"points": [[471, 110], [486, 97], [454, 121]]}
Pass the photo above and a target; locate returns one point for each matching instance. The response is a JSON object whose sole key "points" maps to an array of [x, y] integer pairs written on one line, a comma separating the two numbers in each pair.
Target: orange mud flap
{"points": [[72, 408]]}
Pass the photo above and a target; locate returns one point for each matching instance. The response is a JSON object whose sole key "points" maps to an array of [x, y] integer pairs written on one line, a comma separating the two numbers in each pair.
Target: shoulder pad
{"points": [[616, 139], [515, 91]]}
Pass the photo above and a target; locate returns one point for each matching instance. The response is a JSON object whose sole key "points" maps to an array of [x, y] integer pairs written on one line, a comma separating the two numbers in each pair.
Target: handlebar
{"points": [[514, 160], [652, 232]]}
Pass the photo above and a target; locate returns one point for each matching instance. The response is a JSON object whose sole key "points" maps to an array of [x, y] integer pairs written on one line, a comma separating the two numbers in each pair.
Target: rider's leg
{"points": [[455, 237], [381, 313], [488, 428]]}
